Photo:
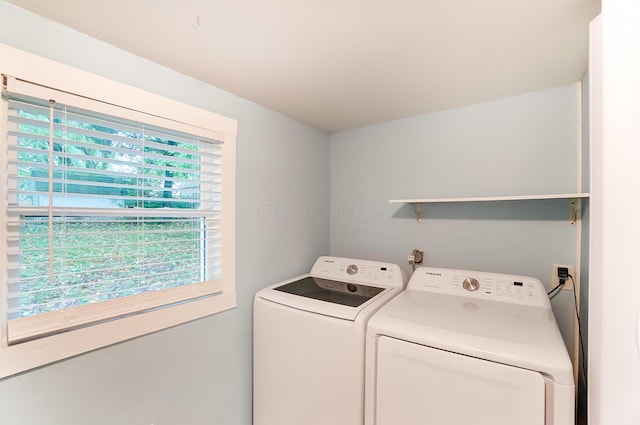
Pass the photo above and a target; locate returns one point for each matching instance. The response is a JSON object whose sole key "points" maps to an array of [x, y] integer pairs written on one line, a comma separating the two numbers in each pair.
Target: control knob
{"points": [[471, 284]]}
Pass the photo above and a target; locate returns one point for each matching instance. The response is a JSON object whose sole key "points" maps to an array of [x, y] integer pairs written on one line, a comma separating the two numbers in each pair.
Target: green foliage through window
{"points": [[120, 172]]}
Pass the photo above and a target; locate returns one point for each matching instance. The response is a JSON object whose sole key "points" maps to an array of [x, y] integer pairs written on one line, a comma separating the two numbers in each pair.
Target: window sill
{"points": [[22, 357]]}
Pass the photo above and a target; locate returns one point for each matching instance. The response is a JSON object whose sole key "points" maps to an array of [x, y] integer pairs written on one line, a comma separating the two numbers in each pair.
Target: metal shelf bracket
{"points": [[575, 207]]}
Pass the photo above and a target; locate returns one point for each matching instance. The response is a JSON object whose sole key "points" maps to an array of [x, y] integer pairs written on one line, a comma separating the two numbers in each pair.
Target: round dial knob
{"points": [[471, 284], [352, 269]]}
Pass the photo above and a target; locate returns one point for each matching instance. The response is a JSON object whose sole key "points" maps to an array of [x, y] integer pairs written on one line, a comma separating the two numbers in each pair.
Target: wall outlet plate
{"points": [[416, 256], [568, 285]]}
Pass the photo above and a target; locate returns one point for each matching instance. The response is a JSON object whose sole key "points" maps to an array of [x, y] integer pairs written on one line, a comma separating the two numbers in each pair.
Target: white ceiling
{"points": [[343, 64]]}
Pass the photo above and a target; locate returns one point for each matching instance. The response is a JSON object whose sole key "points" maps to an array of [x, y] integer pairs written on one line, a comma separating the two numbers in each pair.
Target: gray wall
{"points": [[520, 145], [197, 373]]}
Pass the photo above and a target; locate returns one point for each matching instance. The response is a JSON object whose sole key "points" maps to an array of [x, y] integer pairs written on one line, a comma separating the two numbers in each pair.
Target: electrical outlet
{"points": [[416, 256], [555, 280]]}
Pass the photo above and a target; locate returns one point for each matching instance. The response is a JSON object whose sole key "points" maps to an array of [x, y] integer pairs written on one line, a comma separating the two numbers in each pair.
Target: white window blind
{"points": [[111, 212]]}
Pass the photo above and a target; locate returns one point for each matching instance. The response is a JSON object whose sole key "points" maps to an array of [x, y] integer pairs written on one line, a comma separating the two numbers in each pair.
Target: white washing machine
{"points": [[462, 347], [309, 339]]}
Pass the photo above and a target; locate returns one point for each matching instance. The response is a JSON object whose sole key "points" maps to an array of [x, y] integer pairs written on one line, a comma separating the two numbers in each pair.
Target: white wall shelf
{"points": [[573, 198]]}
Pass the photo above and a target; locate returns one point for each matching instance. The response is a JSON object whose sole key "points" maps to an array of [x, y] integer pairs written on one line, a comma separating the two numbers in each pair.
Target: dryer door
{"points": [[417, 385]]}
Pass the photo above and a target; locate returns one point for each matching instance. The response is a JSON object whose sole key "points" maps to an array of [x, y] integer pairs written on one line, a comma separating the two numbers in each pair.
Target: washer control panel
{"points": [[359, 271], [481, 285]]}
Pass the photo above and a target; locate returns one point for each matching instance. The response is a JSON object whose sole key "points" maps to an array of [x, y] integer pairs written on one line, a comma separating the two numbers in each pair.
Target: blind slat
{"points": [[130, 160], [207, 150], [16, 211], [210, 176]]}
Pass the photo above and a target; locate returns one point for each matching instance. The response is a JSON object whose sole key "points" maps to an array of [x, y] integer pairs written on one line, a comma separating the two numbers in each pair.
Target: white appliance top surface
{"points": [[345, 277], [508, 319]]}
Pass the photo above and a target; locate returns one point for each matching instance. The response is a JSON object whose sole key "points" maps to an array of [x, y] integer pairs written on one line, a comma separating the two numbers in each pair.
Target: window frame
{"points": [[30, 354]]}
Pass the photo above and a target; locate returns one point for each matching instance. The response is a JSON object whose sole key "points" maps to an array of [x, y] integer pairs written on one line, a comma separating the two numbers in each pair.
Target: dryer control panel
{"points": [[481, 285], [359, 271]]}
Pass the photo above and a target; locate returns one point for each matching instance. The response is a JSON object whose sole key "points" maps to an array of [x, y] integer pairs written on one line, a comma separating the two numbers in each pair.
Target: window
{"points": [[118, 215]]}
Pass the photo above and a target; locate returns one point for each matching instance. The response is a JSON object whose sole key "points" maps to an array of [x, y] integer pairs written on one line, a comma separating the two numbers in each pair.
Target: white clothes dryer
{"points": [[463, 347], [309, 339]]}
